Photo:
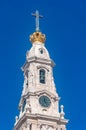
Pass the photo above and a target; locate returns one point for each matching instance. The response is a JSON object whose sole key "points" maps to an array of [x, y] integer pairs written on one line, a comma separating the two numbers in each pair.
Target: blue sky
{"points": [[64, 24]]}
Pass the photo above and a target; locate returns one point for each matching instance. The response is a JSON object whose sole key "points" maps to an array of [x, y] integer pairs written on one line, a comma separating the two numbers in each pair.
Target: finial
{"points": [[37, 36], [62, 112], [37, 15], [16, 119], [62, 108]]}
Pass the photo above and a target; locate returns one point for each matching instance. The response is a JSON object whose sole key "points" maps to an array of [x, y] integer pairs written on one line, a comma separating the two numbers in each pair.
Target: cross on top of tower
{"points": [[37, 15]]}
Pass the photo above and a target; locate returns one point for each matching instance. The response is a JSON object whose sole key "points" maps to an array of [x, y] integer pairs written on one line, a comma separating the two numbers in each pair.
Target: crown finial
{"points": [[37, 36]]}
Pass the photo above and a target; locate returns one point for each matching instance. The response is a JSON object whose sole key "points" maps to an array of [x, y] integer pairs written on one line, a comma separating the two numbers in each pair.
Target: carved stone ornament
{"points": [[46, 127]]}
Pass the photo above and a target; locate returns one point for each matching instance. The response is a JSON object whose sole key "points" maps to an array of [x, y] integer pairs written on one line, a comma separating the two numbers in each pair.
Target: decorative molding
{"points": [[43, 66]]}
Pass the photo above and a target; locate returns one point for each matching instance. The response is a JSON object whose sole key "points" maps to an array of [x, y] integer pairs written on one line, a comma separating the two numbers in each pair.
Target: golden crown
{"points": [[37, 36]]}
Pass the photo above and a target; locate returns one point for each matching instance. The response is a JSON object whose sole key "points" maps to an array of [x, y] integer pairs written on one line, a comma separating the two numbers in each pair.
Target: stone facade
{"points": [[39, 113]]}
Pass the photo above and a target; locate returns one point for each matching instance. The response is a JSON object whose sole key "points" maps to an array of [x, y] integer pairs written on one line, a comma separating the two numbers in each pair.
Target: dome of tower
{"points": [[38, 50]]}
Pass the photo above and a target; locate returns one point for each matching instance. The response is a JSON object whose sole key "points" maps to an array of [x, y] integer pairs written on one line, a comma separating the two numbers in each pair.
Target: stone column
{"points": [[34, 127], [38, 127], [27, 125]]}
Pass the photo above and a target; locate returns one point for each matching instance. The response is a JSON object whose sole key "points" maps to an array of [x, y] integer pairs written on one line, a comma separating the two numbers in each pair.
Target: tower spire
{"points": [[37, 15], [39, 103]]}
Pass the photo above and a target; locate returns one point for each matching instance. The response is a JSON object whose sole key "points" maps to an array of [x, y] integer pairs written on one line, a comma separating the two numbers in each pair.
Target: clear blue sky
{"points": [[64, 24]]}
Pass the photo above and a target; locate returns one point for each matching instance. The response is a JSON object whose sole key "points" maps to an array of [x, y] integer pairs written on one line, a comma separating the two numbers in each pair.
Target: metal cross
{"points": [[37, 15]]}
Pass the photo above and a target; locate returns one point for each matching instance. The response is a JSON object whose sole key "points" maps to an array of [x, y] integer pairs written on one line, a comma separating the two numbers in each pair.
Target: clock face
{"points": [[44, 101]]}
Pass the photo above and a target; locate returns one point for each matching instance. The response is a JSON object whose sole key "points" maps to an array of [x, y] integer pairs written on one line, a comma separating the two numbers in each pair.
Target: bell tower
{"points": [[39, 103]]}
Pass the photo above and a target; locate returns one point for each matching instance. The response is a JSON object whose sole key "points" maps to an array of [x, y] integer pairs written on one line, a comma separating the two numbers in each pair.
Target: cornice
{"points": [[41, 60], [40, 117]]}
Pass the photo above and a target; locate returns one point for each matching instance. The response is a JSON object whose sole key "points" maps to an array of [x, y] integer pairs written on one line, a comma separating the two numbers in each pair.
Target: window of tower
{"points": [[41, 51], [30, 126], [42, 76], [23, 107]]}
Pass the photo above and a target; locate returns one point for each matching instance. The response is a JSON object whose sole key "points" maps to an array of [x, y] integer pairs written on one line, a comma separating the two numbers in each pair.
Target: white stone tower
{"points": [[39, 103]]}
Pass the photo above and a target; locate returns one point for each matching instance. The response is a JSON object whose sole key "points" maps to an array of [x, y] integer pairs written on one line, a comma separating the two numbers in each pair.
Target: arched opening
{"points": [[23, 107], [42, 76]]}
